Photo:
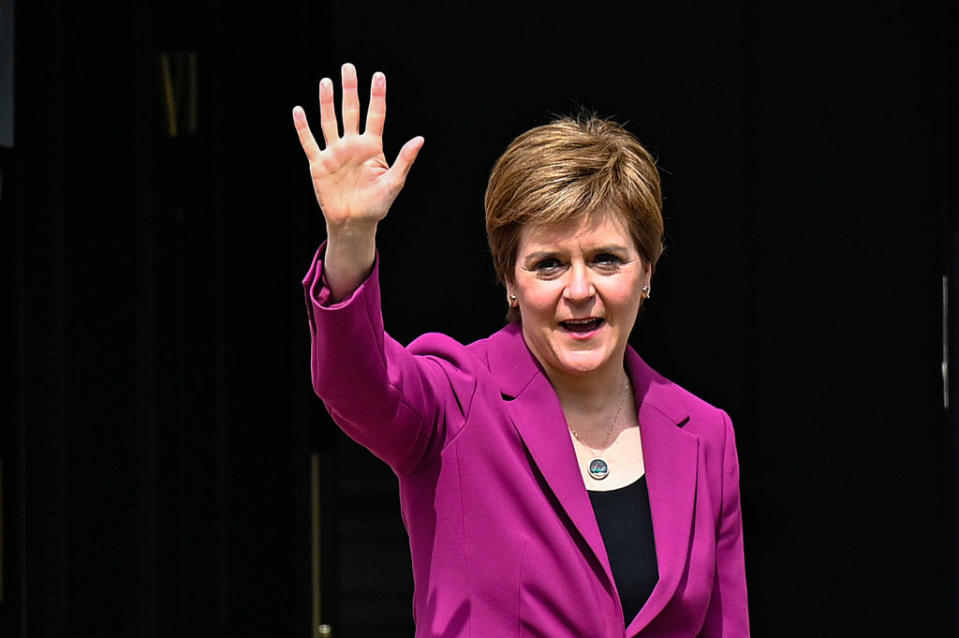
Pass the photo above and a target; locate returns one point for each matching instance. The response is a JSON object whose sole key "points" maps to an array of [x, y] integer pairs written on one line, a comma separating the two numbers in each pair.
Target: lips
{"points": [[582, 325]]}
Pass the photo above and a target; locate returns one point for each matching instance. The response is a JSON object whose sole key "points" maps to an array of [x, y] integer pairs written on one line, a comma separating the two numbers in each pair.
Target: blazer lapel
{"points": [[538, 418], [671, 456]]}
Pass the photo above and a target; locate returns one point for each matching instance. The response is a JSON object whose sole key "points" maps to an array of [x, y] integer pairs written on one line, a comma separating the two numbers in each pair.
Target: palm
{"points": [[352, 180]]}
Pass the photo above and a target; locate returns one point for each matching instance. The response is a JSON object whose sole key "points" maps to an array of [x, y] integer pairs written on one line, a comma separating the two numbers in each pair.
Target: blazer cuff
{"points": [[346, 330], [318, 290]]}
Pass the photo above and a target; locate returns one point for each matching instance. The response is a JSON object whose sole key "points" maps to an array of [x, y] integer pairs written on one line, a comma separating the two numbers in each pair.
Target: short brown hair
{"points": [[569, 168]]}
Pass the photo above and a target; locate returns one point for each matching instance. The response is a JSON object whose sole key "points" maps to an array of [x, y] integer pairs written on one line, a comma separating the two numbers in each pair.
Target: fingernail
{"points": [[379, 79]]}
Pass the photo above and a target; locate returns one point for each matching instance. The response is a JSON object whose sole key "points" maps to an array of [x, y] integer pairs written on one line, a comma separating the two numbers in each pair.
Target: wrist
{"points": [[348, 260], [352, 230], [351, 248]]}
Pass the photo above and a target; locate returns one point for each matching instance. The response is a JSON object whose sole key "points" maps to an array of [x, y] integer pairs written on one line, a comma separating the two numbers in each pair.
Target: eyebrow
{"points": [[542, 254], [611, 248]]}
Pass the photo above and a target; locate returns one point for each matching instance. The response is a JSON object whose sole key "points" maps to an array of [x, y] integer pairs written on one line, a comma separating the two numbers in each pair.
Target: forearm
{"points": [[379, 393]]}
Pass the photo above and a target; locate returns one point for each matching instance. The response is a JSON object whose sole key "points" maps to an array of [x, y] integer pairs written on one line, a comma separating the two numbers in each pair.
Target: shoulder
{"points": [[688, 411], [500, 360], [502, 355], [447, 349], [448, 357], [701, 413], [453, 358]]}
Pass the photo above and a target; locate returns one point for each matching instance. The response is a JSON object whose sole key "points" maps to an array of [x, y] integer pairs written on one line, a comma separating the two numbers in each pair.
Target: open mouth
{"points": [[582, 325]]}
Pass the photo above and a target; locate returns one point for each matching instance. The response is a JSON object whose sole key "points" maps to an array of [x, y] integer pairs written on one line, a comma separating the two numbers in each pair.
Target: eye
{"points": [[547, 265], [607, 261]]}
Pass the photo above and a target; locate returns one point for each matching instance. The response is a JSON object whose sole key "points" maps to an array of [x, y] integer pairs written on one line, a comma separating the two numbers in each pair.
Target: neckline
{"points": [[618, 489]]}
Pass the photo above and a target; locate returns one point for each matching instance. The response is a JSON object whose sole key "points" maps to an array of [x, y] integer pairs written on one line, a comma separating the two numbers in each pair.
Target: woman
{"points": [[552, 484]]}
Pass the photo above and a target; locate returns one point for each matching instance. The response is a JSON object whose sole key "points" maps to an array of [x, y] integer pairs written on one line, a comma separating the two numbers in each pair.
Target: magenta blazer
{"points": [[503, 538]]}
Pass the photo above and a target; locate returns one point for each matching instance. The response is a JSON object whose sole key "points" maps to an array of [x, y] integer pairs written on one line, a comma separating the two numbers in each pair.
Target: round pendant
{"points": [[598, 469]]}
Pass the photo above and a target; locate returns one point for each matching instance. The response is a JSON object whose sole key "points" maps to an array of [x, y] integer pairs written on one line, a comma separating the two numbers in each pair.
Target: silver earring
{"points": [[511, 298], [646, 291]]}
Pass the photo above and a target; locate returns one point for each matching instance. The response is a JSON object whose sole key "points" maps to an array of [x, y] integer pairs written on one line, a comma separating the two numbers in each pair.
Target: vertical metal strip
{"points": [[315, 541], [950, 46], [1, 531], [945, 342]]}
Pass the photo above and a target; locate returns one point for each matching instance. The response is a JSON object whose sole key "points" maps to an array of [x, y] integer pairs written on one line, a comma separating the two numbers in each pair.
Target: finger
{"points": [[307, 141], [376, 114], [328, 112], [404, 161], [351, 101]]}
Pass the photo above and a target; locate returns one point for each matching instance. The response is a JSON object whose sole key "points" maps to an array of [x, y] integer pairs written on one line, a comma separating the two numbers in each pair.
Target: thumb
{"points": [[405, 158]]}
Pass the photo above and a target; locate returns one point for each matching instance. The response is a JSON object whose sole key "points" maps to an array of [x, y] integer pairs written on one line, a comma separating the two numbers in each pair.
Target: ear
{"points": [[509, 283]]}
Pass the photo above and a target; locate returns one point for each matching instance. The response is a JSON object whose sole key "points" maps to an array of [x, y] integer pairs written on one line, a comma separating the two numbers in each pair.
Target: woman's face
{"points": [[579, 288]]}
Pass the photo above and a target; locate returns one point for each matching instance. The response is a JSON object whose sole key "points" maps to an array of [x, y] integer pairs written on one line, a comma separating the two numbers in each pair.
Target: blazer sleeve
{"points": [[403, 404], [728, 612]]}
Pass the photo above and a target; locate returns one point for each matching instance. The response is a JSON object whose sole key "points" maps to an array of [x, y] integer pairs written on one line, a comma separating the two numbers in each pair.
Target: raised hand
{"points": [[353, 182]]}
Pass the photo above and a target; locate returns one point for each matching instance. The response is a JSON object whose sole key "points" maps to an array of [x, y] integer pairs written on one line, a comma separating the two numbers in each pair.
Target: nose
{"points": [[579, 287]]}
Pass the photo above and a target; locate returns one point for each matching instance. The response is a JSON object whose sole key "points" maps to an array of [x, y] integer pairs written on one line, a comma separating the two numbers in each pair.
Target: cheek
{"points": [[626, 296], [539, 299]]}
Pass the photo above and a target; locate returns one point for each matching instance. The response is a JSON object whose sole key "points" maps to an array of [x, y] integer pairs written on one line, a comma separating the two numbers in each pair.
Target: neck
{"points": [[589, 400]]}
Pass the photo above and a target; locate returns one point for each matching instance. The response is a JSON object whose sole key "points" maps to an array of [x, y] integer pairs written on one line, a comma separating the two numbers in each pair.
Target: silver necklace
{"points": [[598, 468]]}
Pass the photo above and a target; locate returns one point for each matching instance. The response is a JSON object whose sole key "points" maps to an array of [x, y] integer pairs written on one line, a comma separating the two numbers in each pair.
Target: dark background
{"points": [[157, 432]]}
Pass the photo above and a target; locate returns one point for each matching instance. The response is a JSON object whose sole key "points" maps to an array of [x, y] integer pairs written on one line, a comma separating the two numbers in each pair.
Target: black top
{"points": [[627, 529]]}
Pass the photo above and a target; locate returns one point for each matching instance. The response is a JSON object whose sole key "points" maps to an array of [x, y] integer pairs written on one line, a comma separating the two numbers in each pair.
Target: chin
{"points": [[582, 366]]}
